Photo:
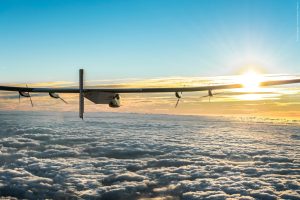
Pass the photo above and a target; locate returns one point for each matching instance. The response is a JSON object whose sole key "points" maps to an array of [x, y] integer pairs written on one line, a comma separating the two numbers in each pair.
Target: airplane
{"points": [[111, 96]]}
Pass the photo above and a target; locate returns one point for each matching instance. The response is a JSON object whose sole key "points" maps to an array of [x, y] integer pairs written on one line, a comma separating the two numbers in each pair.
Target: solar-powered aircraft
{"points": [[111, 96]]}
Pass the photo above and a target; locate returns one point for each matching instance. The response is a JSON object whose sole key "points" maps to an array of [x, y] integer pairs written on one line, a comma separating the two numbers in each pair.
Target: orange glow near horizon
{"points": [[251, 100]]}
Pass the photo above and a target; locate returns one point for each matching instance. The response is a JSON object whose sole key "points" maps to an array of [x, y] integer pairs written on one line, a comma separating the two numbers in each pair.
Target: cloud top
{"points": [[135, 156]]}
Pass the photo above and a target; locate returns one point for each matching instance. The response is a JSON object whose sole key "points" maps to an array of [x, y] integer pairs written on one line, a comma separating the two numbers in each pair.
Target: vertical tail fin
{"points": [[81, 94]]}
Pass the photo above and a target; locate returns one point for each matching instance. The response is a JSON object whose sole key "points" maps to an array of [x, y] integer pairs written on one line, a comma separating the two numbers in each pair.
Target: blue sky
{"points": [[51, 40]]}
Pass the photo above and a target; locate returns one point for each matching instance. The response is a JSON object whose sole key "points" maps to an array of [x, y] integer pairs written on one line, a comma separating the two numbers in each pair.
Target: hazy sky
{"points": [[50, 40]]}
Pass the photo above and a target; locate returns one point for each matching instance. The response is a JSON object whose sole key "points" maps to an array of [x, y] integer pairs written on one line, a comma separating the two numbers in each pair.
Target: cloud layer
{"points": [[134, 156]]}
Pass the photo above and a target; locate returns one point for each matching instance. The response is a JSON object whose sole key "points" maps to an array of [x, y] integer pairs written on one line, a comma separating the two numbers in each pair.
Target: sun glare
{"points": [[251, 89], [250, 81]]}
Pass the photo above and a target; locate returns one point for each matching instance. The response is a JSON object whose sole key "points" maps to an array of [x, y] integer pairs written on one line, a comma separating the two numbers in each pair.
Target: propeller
{"points": [[210, 94], [63, 100], [25, 94], [30, 97], [56, 96], [178, 96]]}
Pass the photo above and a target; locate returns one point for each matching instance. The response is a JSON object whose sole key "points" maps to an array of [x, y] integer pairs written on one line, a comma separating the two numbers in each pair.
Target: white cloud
{"points": [[147, 157]]}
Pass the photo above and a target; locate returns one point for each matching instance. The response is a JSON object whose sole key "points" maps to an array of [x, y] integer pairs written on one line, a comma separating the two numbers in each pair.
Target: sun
{"points": [[251, 81], [251, 90]]}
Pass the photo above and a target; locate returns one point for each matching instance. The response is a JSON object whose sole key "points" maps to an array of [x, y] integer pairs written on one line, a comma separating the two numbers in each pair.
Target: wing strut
{"points": [[81, 94]]}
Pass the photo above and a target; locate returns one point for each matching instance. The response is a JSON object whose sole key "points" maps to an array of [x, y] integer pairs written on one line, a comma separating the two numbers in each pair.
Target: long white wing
{"points": [[143, 90]]}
